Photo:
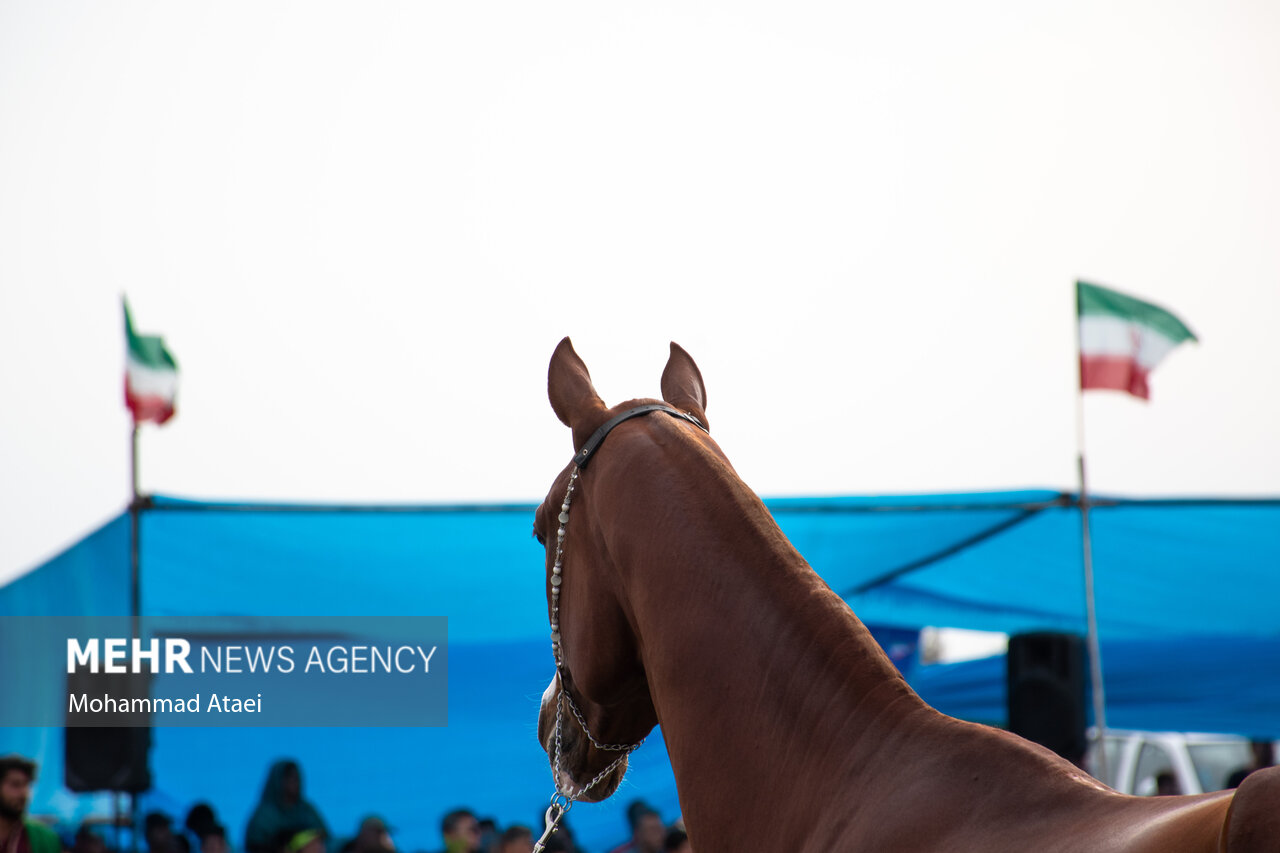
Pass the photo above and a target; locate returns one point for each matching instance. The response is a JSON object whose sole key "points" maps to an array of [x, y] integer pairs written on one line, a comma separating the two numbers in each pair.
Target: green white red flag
{"points": [[150, 375], [1122, 339]]}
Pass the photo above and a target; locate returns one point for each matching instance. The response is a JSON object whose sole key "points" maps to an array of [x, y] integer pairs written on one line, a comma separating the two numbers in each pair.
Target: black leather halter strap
{"points": [[583, 456]]}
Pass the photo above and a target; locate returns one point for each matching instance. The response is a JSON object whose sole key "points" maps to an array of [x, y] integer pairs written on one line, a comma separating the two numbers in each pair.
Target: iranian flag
{"points": [[150, 376], [1122, 339]]}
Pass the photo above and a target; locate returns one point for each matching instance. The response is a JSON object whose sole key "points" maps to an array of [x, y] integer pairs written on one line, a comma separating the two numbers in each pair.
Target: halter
{"points": [[562, 800]]}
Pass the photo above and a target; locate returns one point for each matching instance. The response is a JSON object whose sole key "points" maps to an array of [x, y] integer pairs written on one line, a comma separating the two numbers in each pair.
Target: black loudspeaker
{"points": [[107, 758], [1046, 702]]}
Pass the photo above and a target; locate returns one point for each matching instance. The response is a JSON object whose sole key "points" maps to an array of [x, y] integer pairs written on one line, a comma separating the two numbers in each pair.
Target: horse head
{"points": [[597, 707]]}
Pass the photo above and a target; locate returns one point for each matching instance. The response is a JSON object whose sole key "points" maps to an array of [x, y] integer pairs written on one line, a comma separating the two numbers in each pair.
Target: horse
{"points": [[675, 599]]}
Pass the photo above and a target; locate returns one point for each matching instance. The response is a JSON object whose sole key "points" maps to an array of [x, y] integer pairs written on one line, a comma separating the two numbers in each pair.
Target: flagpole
{"points": [[134, 513], [135, 586], [1091, 610], [133, 463], [152, 399]]}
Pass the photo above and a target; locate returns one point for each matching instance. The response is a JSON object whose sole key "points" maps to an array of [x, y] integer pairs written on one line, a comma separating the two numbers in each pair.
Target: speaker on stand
{"points": [[1046, 699], [107, 758]]}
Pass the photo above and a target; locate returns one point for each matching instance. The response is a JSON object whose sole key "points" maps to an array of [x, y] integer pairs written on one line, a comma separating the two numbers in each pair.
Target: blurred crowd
{"points": [[284, 821]]}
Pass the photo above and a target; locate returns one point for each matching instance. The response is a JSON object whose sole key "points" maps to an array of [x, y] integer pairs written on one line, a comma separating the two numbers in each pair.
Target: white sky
{"points": [[362, 228]]}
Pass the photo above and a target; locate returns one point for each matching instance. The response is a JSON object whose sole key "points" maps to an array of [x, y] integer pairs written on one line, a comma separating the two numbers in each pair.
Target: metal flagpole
{"points": [[1091, 610], [135, 588], [134, 513]]}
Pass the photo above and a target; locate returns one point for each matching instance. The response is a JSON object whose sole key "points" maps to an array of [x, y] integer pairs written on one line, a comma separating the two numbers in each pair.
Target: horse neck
{"points": [[760, 675]]}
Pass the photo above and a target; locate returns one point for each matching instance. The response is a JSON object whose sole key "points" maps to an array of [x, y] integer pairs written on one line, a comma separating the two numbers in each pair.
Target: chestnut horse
{"points": [[677, 600]]}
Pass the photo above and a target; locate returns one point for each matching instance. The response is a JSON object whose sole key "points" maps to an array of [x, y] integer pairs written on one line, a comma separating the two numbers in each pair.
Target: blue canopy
{"points": [[1177, 684], [1006, 561]]}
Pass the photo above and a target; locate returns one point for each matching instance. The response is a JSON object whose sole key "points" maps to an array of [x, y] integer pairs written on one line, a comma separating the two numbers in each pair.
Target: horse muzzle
{"points": [[579, 762]]}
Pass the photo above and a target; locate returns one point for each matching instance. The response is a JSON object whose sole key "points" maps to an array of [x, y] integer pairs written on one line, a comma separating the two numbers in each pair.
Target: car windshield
{"points": [[1214, 762]]}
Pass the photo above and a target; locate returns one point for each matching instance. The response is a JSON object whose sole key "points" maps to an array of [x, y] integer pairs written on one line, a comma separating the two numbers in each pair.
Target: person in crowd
{"points": [[281, 808], [1264, 755], [647, 830], [677, 841], [1167, 784], [373, 836], [200, 819], [158, 831], [516, 839], [461, 832], [488, 834], [88, 841], [302, 841], [17, 833], [213, 839]]}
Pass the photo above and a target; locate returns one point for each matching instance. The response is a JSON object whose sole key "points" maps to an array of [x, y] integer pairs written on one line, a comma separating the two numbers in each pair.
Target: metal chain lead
{"points": [[561, 800], [610, 747], [574, 795]]}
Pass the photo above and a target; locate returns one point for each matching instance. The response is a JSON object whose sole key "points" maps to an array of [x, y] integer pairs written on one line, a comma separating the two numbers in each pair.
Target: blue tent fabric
{"points": [[91, 577], [1174, 567], [479, 566], [1203, 684], [1007, 561], [1162, 566]]}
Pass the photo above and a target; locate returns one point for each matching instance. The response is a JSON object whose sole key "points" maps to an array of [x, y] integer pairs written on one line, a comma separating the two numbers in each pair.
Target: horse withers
{"points": [[674, 598]]}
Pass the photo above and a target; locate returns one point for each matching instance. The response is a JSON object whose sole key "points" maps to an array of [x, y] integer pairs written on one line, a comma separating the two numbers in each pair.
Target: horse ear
{"points": [[682, 384], [573, 397]]}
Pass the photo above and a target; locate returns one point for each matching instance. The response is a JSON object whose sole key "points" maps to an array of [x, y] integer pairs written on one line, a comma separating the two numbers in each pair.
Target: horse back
{"points": [[957, 787], [1253, 824]]}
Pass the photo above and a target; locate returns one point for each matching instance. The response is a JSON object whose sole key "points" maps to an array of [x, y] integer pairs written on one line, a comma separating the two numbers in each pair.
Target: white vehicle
{"points": [[1199, 763]]}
